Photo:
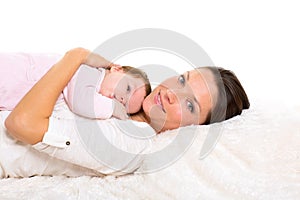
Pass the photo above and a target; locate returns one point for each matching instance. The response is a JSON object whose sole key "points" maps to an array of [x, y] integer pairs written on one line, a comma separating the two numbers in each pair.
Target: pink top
{"points": [[20, 71]]}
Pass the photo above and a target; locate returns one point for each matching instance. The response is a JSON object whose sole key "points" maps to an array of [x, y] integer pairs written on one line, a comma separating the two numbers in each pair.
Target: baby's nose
{"points": [[111, 95], [122, 100]]}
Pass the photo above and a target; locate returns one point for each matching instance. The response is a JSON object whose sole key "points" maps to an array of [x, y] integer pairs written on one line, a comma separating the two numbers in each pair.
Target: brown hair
{"points": [[138, 73], [231, 96]]}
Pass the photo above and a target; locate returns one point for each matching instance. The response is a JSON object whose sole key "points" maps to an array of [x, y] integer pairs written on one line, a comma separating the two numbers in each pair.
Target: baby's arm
{"points": [[82, 97]]}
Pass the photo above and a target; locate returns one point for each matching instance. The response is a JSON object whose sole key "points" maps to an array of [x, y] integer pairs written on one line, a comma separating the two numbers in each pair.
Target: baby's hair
{"points": [[138, 73]]}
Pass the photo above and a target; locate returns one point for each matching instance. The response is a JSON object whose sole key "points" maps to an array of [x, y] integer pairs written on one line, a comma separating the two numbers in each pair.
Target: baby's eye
{"points": [[181, 80], [190, 106], [128, 88]]}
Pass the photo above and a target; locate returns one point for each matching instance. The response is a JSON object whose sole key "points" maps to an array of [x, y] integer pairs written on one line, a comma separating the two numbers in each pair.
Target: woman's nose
{"points": [[171, 96]]}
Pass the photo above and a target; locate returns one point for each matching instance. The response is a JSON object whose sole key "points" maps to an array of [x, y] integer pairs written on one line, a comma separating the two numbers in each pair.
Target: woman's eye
{"points": [[181, 79], [190, 106]]}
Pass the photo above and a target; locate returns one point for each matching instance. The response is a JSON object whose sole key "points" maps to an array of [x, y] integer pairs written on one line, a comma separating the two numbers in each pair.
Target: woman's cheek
{"points": [[176, 113], [146, 105]]}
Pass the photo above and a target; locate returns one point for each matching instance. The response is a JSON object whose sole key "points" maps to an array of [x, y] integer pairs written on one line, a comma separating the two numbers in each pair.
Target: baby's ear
{"points": [[116, 69]]}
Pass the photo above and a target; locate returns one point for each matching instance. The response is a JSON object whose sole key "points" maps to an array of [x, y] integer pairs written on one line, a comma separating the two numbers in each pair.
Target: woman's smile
{"points": [[158, 101]]}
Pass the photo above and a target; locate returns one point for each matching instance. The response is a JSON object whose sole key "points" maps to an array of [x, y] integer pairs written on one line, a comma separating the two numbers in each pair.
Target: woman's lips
{"points": [[158, 101]]}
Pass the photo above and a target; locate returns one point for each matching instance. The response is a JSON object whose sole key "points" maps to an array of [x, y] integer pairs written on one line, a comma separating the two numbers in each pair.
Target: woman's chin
{"points": [[157, 119]]}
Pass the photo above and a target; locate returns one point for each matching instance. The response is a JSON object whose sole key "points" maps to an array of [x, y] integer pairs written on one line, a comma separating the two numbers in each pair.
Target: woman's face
{"points": [[181, 101]]}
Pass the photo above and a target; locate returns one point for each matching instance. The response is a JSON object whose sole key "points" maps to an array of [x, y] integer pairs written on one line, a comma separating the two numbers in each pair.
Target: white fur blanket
{"points": [[256, 157]]}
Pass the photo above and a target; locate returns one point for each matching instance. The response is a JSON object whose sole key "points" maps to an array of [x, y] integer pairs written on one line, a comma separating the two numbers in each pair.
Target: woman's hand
{"points": [[95, 60]]}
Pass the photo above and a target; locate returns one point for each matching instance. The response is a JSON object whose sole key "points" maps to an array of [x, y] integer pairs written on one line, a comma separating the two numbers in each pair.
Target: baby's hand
{"points": [[119, 110]]}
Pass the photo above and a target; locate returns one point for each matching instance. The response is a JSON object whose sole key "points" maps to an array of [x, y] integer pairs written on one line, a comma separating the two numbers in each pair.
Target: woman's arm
{"points": [[29, 121]]}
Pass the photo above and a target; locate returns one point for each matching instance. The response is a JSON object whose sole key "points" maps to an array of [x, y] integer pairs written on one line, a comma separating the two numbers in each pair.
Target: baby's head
{"points": [[128, 85]]}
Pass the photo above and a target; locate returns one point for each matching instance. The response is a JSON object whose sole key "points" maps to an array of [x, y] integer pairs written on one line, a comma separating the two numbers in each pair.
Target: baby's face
{"points": [[129, 91]]}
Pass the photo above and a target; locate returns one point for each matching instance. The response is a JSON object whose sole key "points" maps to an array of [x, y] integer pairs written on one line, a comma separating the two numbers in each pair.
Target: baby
{"points": [[93, 93], [102, 93]]}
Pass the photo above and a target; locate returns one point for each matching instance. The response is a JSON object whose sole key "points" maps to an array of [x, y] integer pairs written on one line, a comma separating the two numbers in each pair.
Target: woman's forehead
{"points": [[203, 80], [202, 84]]}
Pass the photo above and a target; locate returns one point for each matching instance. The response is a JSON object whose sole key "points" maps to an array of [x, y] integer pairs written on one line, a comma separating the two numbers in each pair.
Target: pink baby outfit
{"points": [[20, 71]]}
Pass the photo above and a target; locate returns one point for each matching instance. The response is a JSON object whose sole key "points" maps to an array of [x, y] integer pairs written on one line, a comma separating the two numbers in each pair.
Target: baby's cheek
{"points": [[135, 101], [134, 106]]}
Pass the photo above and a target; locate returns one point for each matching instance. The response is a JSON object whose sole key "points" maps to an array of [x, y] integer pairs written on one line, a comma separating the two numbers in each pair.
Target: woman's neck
{"points": [[142, 117]]}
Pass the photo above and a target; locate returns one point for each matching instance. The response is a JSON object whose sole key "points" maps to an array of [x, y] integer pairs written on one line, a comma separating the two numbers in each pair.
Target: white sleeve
{"points": [[93, 144], [82, 96], [60, 141]]}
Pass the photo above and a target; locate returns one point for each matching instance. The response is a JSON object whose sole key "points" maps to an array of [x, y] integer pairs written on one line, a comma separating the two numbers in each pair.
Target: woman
{"points": [[196, 97]]}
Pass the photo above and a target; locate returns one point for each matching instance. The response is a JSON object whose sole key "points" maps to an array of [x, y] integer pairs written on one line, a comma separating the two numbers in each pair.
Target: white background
{"points": [[258, 40]]}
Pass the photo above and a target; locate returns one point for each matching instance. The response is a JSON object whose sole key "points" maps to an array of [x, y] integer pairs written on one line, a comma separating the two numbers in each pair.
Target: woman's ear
{"points": [[116, 69]]}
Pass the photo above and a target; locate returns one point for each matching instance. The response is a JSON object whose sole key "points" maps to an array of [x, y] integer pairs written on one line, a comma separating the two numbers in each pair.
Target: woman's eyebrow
{"points": [[197, 103], [187, 75], [195, 99]]}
